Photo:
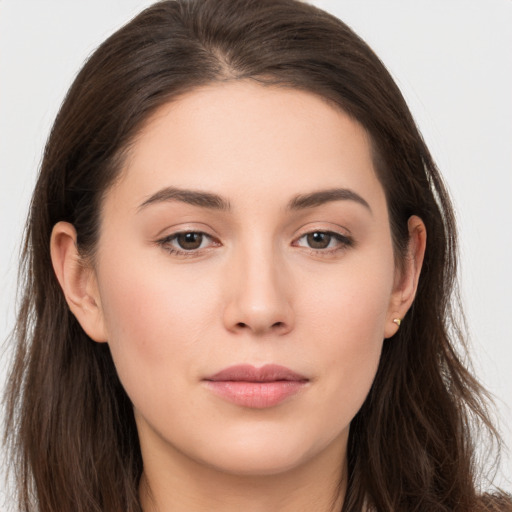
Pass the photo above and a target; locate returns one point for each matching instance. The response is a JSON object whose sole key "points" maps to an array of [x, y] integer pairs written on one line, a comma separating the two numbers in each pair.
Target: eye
{"points": [[189, 241], [186, 243], [324, 241]]}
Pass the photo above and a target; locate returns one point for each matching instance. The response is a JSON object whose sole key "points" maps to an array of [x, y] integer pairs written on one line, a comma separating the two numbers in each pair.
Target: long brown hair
{"points": [[70, 425]]}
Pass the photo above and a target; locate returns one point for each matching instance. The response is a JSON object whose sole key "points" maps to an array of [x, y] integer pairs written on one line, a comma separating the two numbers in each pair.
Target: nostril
{"points": [[275, 325]]}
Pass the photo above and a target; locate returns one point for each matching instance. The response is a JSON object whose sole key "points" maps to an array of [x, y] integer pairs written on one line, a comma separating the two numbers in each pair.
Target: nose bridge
{"points": [[259, 295]]}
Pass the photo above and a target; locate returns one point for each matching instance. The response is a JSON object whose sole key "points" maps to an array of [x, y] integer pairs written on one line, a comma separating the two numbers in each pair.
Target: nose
{"points": [[258, 294]]}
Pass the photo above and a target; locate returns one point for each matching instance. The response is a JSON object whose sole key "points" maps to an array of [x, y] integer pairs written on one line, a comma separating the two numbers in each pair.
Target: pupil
{"points": [[319, 240], [190, 240]]}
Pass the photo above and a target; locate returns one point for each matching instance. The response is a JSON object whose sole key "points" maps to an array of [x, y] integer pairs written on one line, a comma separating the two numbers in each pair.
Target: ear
{"points": [[77, 280], [406, 280]]}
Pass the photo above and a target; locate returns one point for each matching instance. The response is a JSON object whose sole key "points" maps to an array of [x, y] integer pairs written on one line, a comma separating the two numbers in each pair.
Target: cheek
{"points": [[155, 320], [351, 301], [346, 318]]}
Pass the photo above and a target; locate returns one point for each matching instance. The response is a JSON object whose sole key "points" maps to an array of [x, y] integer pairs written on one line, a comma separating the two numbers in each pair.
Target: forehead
{"points": [[249, 141]]}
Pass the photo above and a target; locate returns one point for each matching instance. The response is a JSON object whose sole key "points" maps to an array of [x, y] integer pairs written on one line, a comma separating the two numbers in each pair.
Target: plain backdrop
{"points": [[451, 58]]}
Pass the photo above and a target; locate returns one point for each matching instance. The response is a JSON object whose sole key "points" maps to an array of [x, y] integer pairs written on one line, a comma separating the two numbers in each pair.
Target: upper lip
{"points": [[249, 373]]}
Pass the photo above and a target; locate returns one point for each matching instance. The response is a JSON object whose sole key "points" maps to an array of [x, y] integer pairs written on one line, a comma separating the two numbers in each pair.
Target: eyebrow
{"points": [[315, 199], [193, 197], [215, 202]]}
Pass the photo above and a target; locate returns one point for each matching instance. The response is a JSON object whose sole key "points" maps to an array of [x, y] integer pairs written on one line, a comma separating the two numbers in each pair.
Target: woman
{"points": [[240, 258]]}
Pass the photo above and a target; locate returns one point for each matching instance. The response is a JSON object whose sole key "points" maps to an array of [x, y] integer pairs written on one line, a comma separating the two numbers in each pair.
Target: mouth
{"points": [[256, 388]]}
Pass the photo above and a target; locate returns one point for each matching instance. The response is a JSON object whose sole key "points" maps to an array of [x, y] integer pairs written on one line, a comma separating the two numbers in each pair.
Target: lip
{"points": [[256, 388]]}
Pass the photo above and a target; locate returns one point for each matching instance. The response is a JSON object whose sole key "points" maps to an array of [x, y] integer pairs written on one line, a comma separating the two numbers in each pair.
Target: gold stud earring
{"points": [[397, 321]]}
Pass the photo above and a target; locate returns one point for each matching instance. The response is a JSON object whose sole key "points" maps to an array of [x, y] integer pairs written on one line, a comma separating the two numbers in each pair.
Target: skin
{"points": [[255, 291]]}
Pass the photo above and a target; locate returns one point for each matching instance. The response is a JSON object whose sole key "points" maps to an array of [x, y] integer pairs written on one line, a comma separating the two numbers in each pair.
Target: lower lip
{"points": [[256, 395]]}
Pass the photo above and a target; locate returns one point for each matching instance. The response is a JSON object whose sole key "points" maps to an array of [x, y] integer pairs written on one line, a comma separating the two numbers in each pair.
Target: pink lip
{"points": [[257, 388]]}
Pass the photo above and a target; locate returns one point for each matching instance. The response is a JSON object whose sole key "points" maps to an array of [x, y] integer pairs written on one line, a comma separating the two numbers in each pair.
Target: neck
{"points": [[179, 484]]}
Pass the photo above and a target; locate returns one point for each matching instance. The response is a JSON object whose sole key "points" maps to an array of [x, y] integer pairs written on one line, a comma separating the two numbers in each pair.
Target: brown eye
{"points": [[318, 240], [189, 241], [324, 242]]}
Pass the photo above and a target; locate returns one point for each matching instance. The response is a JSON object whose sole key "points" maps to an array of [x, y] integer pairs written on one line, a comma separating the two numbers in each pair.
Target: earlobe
{"points": [[406, 283], [77, 280]]}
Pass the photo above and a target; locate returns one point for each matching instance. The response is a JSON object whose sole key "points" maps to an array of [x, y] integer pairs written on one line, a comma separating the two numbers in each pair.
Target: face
{"points": [[245, 277]]}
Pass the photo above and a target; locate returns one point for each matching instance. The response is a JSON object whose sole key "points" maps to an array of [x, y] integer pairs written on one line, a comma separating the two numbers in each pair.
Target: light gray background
{"points": [[452, 60]]}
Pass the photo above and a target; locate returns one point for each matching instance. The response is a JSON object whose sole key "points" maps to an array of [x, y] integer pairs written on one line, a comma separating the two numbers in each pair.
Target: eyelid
{"points": [[324, 227]]}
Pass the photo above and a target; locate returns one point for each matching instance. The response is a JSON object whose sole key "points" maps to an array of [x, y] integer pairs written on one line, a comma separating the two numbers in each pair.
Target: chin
{"points": [[254, 454], [264, 463]]}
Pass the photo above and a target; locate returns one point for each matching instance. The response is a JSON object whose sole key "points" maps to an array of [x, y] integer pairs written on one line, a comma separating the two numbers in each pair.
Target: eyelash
{"points": [[344, 242]]}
